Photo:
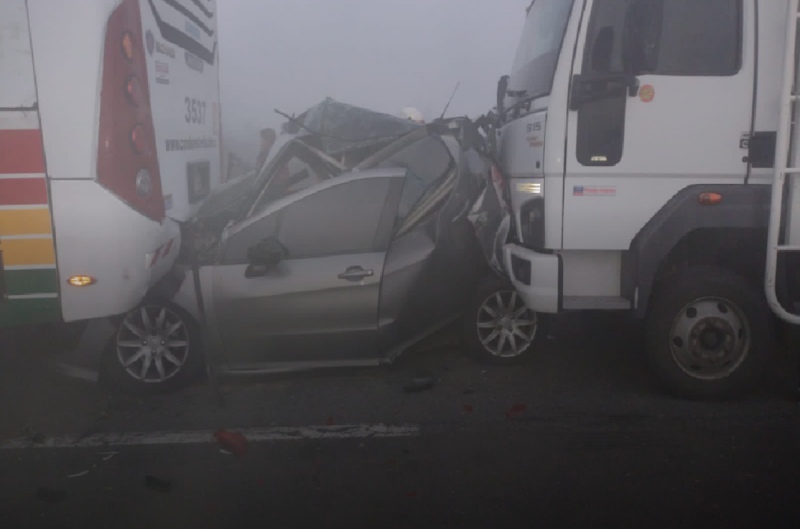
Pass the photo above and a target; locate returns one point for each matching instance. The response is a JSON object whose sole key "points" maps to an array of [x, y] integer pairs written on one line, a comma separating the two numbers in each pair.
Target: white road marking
{"points": [[253, 435]]}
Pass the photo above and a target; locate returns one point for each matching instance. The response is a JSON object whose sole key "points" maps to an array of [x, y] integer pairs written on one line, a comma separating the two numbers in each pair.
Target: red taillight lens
{"points": [[127, 155], [139, 138], [134, 91]]}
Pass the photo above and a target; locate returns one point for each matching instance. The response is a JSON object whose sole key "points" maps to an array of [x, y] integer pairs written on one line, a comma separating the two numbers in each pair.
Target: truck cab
{"points": [[639, 141]]}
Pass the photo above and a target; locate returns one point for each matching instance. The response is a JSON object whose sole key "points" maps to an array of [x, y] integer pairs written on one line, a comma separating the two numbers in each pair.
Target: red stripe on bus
{"points": [[23, 191], [21, 151]]}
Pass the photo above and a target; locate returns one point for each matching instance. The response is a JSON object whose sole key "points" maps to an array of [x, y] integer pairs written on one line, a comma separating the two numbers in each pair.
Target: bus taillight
{"points": [[127, 159]]}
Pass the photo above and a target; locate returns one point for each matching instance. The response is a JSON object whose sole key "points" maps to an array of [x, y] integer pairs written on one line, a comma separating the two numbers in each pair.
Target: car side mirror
{"points": [[263, 256]]}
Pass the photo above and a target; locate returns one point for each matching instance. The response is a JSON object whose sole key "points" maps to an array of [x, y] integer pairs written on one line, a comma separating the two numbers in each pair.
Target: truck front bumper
{"points": [[536, 276]]}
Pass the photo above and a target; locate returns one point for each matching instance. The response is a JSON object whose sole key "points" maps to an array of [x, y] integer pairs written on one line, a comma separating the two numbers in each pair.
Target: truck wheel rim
{"points": [[152, 344], [506, 327], [710, 338]]}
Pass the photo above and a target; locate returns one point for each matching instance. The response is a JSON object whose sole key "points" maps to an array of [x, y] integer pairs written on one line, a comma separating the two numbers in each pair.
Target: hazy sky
{"points": [[380, 54]]}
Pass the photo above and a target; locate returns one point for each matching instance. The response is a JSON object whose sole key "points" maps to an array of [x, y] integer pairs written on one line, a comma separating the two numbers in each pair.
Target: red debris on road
{"points": [[516, 410], [233, 442]]}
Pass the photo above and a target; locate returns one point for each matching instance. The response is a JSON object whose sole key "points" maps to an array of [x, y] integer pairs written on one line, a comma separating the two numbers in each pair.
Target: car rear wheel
{"points": [[498, 327], [157, 349]]}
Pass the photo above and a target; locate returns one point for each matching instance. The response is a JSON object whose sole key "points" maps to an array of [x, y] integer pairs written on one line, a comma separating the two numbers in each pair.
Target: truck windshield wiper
{"points": [[524, 101]]}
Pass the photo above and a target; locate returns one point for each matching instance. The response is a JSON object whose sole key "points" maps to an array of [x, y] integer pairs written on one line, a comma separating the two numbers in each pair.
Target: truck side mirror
{"points": [[502, 88], [596, 87]]}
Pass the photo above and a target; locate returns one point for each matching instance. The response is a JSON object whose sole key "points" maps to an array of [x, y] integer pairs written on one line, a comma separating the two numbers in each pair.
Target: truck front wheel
{"points": [[709, 334]]}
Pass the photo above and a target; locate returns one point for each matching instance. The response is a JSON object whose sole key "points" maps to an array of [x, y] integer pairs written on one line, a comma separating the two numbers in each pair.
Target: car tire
{"points": [[170, 338], [498, 328], [709, 334]]}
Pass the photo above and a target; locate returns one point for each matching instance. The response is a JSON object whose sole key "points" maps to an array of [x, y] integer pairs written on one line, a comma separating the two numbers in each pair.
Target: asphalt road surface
{"points": [[582, 436]]}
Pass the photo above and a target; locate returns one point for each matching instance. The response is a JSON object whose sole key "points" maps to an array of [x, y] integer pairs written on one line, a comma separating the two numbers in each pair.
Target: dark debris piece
{"points": [[418, 384], [159, 484], [51, 495]]}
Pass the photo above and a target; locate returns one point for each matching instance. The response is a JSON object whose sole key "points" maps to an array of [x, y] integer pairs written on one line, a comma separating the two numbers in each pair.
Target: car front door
{"points": [[434, 260], [319, 304]]}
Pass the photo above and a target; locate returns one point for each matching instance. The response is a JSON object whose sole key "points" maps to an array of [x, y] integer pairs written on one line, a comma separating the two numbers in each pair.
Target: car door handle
{"points": [[355, 273]]}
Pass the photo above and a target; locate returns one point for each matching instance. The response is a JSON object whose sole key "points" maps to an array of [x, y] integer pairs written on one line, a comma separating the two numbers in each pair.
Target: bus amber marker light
{"points": [[81, 281], [127, 45], [710, 199]]}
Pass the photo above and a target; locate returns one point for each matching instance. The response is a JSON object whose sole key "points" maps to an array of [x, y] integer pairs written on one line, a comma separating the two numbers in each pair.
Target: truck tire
{"points": [[498, 328], [709, 334], [157, 348]]}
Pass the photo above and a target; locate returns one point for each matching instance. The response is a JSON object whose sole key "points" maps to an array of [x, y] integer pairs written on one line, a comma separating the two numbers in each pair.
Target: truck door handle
{"points": [[355, 273]]}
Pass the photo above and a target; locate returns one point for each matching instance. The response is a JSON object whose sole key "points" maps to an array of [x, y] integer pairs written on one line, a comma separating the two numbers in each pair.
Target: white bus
{"points": [[109, 139]]}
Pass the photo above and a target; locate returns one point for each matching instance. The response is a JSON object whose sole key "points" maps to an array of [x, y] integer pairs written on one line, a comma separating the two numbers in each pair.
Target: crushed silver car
{"points": [[363, 234]]}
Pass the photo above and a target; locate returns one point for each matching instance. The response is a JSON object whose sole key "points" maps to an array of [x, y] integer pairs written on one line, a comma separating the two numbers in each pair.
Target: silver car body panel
{"points": [[299, 309], [440, 221]]}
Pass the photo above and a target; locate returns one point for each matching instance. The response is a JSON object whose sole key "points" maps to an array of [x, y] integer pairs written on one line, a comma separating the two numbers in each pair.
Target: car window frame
{"points": [[320, 162], [235, 253], [410, 174]]}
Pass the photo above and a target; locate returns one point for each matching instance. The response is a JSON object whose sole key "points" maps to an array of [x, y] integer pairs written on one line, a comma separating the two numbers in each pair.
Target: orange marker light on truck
{"points": [[81, 281], [710, 199]]}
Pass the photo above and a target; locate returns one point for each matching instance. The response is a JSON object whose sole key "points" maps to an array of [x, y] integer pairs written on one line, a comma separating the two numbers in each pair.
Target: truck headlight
{"points": [[531, 188]]}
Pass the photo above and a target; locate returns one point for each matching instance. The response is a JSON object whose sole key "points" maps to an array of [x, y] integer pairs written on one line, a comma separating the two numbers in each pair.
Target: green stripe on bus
{"points": [[25, 311], [21, 282]]}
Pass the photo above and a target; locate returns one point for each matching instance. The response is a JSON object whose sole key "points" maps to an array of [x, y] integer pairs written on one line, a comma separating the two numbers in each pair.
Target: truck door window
{"points": [[665, 37], [686, 37]]}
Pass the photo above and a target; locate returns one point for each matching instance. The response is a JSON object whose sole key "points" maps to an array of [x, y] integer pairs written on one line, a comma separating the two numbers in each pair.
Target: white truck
{"points": [[109, 140], [641, 139]]}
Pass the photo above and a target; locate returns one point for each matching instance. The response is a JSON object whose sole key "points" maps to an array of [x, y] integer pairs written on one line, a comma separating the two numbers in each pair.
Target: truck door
{"points": [[661, 96]]}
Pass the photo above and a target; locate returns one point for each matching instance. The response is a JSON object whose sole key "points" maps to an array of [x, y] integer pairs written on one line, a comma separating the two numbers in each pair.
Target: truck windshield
{"points": [[537, 54]]}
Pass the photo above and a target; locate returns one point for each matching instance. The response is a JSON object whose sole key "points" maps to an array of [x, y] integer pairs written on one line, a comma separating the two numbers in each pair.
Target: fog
{"points": [[381, 54]]}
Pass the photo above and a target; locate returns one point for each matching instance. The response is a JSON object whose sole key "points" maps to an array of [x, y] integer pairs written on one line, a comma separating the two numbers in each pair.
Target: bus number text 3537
{"points": [[195, 110]]}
